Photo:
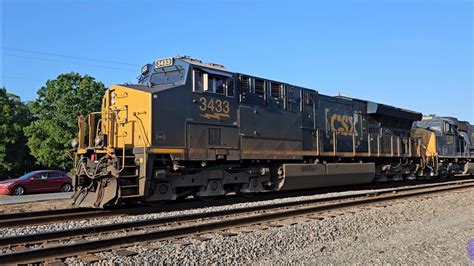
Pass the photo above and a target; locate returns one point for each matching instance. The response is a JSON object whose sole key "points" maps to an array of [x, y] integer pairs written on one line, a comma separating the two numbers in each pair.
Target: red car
{"points": [[37, 181]]}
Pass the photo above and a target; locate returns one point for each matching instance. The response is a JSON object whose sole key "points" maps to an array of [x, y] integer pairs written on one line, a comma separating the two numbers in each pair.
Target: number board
{"points": [[164, 62]]}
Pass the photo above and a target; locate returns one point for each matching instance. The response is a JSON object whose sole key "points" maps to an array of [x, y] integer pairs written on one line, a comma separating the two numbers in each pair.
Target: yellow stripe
{"points": [[166, 150]]}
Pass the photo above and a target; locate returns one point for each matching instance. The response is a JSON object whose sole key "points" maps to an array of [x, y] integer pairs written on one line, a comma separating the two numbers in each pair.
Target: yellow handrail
{"points": [[142, 130]]}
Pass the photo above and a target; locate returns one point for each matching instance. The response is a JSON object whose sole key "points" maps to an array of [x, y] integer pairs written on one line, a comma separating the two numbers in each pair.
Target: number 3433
{"points": [[214, 105]]}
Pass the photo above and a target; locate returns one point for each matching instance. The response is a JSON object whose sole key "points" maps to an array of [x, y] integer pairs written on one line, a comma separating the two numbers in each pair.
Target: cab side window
{"points": [[218, 85], [197, 81], [448, 128], [210, 83], [230, 87], [214, 84]]}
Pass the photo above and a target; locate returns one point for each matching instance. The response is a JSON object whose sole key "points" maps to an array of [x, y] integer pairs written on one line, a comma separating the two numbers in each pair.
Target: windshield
{"points": [[166, 77], [174, 74], [27, 176], [433, 125]]}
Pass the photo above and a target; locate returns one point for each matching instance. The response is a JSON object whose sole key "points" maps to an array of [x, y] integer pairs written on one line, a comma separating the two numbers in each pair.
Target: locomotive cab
{"points": [[108, 140], [140, 130]]}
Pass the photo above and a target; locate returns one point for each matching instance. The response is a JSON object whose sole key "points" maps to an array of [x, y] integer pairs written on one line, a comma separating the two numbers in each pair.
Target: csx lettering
{"points": [[343, 124]]}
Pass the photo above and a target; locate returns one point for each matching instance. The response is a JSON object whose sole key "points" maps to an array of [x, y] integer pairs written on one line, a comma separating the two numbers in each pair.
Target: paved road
{"points": [[4, 200]]}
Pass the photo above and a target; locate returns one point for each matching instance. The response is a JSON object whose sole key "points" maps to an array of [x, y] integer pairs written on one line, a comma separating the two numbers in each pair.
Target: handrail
{"points": [[99, 124], [142, 129], [385, 145], [118, 123], [81, 122]]}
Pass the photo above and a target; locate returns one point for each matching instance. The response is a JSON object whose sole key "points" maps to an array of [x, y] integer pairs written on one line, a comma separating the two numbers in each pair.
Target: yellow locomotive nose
{"points": [[127, 117], [114, 134]]}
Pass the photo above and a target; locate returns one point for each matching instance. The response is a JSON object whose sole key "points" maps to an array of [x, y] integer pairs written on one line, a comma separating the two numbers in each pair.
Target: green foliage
{"points": [[57, 107], [14, 116]]}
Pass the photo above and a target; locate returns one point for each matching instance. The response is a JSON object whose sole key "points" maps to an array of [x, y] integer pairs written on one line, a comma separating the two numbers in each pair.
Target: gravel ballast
{"points": [[432, 230], [14, 231]]}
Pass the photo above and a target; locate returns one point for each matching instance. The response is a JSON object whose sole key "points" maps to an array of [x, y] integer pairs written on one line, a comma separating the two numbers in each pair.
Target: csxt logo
{"points": [[340, 123]]}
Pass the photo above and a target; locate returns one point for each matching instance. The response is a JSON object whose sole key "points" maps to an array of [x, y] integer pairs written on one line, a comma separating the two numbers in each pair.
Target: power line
{"points": [[22, 78], [67, 62], [68, 56]]}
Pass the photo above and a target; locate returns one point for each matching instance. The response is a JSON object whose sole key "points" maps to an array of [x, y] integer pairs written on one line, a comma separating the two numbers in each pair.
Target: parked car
{"points": [[37, 181]]}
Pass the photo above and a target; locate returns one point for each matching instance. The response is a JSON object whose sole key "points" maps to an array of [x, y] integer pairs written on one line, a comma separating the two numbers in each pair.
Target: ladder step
{"points": [[129, 186], [130, 196], [128, 176]]}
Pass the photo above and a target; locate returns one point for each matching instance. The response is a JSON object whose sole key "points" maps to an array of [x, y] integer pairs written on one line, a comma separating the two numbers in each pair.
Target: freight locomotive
{"points": [[194, 128]]}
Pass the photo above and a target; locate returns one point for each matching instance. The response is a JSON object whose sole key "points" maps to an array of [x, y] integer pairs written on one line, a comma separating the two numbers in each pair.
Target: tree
{"points": [[57, 107], [14, 116]]}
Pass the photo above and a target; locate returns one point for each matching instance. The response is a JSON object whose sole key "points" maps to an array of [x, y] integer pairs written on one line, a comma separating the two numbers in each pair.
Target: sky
{"points": [[413, 54]]}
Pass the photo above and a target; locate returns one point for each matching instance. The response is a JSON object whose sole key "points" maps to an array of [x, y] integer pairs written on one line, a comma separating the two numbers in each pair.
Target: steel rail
{"points": [[62, 251], [23, 239], [19, 215], [41, 217]]}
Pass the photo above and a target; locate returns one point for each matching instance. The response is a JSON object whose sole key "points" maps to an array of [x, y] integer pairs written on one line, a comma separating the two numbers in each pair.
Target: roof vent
{"points": [[183, 57], [216, 65]]}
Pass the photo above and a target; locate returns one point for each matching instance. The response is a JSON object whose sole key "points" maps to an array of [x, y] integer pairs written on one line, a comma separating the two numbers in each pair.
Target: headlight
{"points": [[112, 97], [144, 69], [6, 184], [98, 140], [75, 143]]}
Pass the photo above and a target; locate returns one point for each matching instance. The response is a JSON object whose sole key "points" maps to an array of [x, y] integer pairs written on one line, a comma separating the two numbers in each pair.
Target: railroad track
{"points": [[61, 215], [40, 217], [50, 246]]}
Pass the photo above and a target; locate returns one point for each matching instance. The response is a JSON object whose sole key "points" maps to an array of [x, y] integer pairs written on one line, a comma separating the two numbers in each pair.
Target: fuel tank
{"points": [[301, 176]]}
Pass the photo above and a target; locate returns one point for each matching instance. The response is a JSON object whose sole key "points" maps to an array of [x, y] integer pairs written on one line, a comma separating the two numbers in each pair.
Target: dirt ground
{"points": [[36, 206]]}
